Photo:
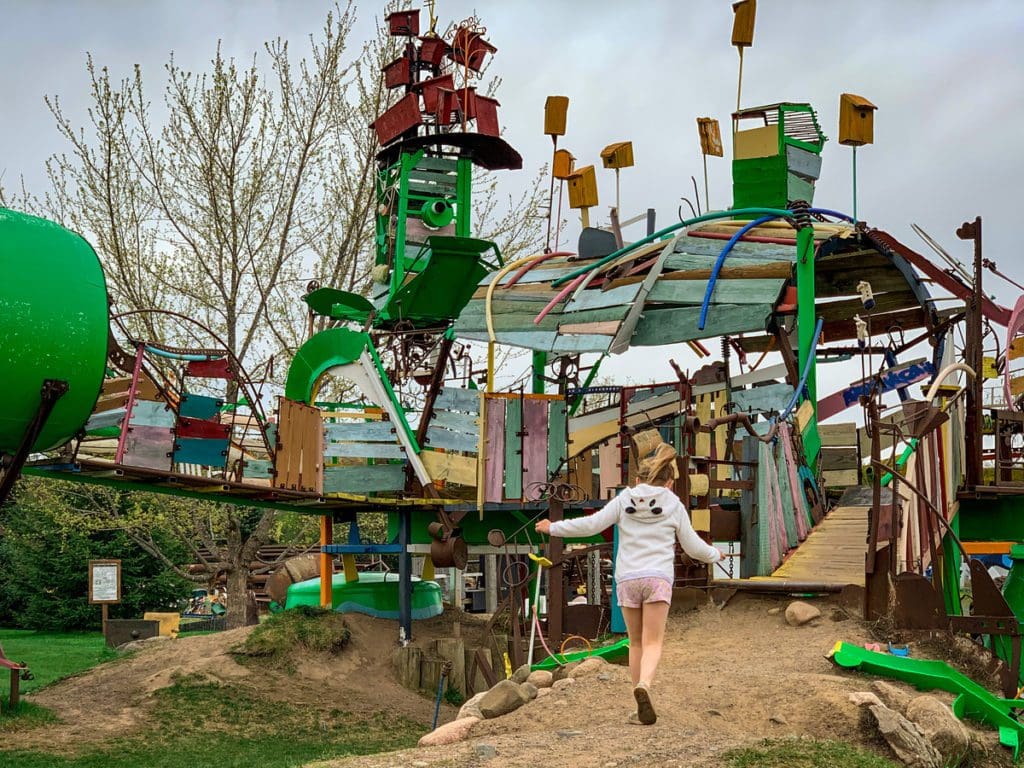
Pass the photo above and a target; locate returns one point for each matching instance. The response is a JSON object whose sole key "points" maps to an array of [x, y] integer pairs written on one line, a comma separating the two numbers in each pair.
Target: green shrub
{"points": [[304, 629]]}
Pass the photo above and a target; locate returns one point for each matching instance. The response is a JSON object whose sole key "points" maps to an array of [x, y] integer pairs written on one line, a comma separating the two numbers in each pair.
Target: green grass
{"points": [[202, 724], [303, 630], [53, 655], [805, 753]]}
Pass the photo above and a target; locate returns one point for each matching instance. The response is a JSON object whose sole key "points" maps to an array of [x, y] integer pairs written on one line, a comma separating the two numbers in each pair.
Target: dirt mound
{"points": [[729, 678]]}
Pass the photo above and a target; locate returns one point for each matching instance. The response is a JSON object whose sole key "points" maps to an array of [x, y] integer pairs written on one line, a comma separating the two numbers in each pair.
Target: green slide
{"points": [[612, 652], [972, 700]]}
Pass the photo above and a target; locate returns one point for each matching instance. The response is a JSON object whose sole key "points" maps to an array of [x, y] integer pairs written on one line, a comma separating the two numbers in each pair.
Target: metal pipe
{"points": [[750, 585], [743, 420]]}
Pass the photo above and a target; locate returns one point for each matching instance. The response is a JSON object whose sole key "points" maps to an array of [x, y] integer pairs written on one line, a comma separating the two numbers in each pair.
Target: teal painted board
{"points": [[513, 449], [671, 326], [755, 252], [199, 407], [494, 450], [149, 413], [457, 422], [103, 419], [452, 399], [598, 299], [523, 320], [365, 431], [771, 397], [257, 468], [196, 450], [364, 450], [435, 164], [453, 441], [752, 291], [557, 436], [571, 343], [799, 188], [364, 479], [545, 341]]}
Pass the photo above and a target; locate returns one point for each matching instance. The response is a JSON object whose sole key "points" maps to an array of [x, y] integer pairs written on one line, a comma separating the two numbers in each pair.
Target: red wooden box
{"points": [[431, 88], [399, 119], [470, 48], [487, 116], [397, 73], [432, 50], [404, 23]]}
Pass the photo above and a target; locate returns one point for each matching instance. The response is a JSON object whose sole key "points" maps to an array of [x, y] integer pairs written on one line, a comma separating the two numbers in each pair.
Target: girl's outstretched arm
{"points": [[588, 525], [691, 543]]}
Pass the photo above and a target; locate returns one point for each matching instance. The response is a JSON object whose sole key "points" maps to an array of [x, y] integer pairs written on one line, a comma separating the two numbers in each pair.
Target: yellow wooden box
{"points": [[170, 623], [555, 110], [618, 155], [756, 142], [743, 23], [583, 188], [562, 164], [856, 120]]}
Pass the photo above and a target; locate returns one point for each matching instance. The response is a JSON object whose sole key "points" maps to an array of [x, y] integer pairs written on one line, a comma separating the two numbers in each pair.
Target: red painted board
{"points": [[203, 429], [210, 369]]}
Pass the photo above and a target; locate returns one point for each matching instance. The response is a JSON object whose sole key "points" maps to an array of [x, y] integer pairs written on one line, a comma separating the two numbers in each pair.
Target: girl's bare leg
{"points": [[654, 616], [635, 630]]}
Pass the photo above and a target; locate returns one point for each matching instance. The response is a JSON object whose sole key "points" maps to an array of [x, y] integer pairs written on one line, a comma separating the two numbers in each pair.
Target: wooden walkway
{"points": [[832, 554]]}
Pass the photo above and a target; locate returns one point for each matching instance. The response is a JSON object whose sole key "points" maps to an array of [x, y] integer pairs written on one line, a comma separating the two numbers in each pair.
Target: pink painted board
{"points": [[494, 450], [535, 444]]}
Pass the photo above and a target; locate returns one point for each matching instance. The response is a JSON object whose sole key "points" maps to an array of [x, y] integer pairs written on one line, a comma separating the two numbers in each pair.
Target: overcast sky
{"points": [[947, 77]]}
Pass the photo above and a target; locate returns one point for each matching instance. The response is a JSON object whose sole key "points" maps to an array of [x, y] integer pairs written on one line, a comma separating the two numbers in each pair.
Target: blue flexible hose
{"points": [[806, 372], [437, 702], [721, 260]]}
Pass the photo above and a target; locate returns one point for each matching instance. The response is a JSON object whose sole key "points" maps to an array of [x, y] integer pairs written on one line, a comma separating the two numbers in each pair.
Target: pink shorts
{"points": [[634, 592]]}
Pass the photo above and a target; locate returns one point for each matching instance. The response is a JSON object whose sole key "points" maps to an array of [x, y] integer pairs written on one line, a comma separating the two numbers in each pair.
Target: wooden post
{"points": [[106, 615], [16, 687], [491, 583], [326, 562], [404, 577], [973, 418]]}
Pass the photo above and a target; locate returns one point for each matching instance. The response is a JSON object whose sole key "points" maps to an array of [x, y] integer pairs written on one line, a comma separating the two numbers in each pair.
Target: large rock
{"points": [[472, 707], [529, 689], [521, 675], [541, 678], [906, 739], [891, 695], [503, 698], [590, 667], [799, 613], [946, 733], [449, 733]]}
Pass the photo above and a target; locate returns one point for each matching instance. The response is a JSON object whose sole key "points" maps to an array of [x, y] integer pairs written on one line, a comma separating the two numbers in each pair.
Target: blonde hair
{"points": [[660, 467]]}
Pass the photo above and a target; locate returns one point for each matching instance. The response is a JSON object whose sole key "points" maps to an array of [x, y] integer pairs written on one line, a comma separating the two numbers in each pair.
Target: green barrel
{"points": [[53, 325]]}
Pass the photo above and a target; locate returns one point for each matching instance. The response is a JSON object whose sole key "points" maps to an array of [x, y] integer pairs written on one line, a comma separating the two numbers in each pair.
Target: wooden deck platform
{"points": [[832, 554]]}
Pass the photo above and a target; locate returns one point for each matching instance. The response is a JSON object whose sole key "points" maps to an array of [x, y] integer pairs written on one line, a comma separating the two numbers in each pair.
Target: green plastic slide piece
{"points": [[972, 701], [612, 652], [337, 304]]}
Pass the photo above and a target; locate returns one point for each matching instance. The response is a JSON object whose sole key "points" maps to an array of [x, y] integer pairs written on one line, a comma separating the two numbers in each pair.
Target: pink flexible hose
{"points": [[527, 267], [561, 295]]}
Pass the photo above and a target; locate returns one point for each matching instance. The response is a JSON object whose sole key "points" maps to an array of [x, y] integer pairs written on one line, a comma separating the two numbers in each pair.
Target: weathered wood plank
{"points": [[438, 437], [494, 450], [842, 478], [452, 399], [364, 450], [755, 291], [838, 434], [148, 413], [771, 397], [839, 458], [731, 271], [450, 467], [670, 326], [457, 422], [364, 479], [379, 431], [557, 436], [709, 248], [605, 328], [513, 449], [535, 442]]}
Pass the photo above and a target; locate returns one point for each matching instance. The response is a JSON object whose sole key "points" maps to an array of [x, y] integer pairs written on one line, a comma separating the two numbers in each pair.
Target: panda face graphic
{"points": [[644, 510]]}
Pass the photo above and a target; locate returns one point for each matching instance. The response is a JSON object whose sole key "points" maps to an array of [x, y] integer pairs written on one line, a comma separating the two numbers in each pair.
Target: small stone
{"points": [[778, 720], [529, 689], [503, 698], [485, 751], [472, 707], [521, 674], [449, 733], [561, 684], [799, 613], [605, 677], [864, 698], [591, 666], [541, 678], [564, 671], [569, 734], [713, 712], [774, 611], [891, 695]]}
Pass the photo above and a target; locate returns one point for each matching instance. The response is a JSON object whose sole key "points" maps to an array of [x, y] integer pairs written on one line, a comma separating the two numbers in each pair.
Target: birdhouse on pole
{"points": [[856, 120], [583, 191], [555, 110], [562, 164], [743, 23]]}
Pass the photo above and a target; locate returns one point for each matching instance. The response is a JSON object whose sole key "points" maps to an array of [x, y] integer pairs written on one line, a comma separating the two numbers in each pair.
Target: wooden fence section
{"points": [[362, 454], [840, 455], [299, 458]]}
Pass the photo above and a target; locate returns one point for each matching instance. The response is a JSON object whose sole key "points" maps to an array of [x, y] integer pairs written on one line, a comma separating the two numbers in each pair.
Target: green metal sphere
{"points": [[53, 325]]}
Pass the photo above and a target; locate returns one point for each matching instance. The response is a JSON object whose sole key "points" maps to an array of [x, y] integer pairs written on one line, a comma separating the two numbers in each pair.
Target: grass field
{"points": [[53, 655], [805, 753]]}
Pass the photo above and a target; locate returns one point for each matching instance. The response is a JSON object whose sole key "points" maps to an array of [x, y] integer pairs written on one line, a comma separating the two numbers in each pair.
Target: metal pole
{"points": [[326, 562], [854, 183]]}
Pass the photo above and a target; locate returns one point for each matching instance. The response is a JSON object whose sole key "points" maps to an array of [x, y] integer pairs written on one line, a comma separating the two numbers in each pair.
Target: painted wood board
{"points": [[755, 291], [101, 420], [513, 449], [898, 377], [767, 398], [606, 328], [376, 431], [839, 457], [494, 449], [838, 434], [148, 413], [149, 447], [610, 471], [658, 327], [438, 437], [364, 479], [593, 298], [364, 450], [257, 468], [710, 248], [195, 450], [451, 467], [840, 478], [199, 406], [535, 443], [588, 342], [452, 399], [731, 271], [540, 274], [457, 422], [557, 436]]}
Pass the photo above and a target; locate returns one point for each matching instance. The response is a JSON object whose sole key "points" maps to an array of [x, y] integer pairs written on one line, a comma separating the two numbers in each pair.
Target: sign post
{"points": [[104, 585]]}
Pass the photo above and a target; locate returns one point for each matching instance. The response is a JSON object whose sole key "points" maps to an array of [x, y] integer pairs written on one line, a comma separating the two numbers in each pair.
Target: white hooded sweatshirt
{"points": [[650, 520]]}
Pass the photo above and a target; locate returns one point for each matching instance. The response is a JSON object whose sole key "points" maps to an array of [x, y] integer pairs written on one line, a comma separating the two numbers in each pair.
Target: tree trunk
{"points": [[238, 595]]}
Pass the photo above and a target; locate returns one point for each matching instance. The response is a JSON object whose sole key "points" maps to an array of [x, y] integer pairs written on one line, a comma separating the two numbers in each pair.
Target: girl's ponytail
{"points": [[660, 467]]}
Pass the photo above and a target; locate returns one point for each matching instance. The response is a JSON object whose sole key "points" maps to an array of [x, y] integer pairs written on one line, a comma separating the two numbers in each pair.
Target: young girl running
{"points": [[650, 519]]}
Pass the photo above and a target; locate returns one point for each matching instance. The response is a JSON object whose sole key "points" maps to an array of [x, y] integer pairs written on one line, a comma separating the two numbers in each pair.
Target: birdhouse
{"points": [[404, 23], [487, 116], [397, 73], [710, 136], [402, 117], [856, 120], [555, 109], [470, 48], [583, 188], [430, 89], [618, 155], [562, 164], [743, 23], [432, 50]]}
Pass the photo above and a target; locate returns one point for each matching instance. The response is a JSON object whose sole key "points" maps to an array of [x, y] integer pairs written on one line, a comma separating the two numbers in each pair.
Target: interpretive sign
{"points": [[104, 581]]}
